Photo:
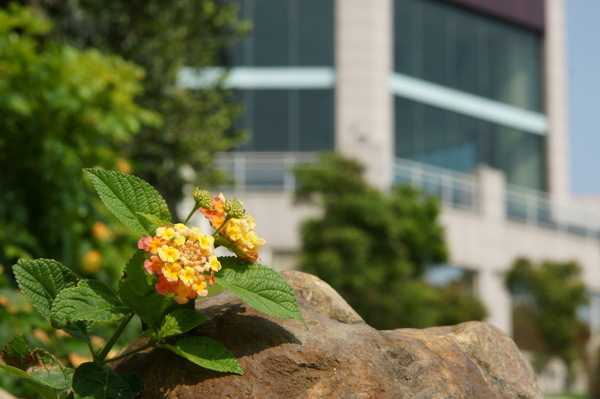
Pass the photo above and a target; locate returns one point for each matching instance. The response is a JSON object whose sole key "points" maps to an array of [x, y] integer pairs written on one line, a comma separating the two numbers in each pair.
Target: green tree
{"points": [[61, 109], [374, 249], [162, 37], [550, 293]]}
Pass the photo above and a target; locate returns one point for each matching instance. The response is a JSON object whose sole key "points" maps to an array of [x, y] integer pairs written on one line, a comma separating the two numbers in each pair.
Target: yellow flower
{"points": [[168, 254], [214, 263], [171, 271], [181, 256], [186, 276]]}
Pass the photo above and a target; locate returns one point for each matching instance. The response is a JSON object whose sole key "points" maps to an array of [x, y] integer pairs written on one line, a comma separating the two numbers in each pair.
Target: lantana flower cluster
{"points": [[231, 222], [183, 258]]}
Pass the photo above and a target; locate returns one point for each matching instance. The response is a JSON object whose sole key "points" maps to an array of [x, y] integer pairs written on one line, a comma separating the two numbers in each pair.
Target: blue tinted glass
{"points": [[314, 22], [271, 33], [285, 33], [456, 47], [446, 139], [287, 120], [315, 120]]}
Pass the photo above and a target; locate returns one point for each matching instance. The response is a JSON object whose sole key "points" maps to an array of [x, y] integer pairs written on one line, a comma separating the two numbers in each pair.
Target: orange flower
{"points": [[180, 257]]}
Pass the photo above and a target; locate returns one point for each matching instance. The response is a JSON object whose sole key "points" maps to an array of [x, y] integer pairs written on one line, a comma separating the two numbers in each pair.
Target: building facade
{"points": [[465, 99]]}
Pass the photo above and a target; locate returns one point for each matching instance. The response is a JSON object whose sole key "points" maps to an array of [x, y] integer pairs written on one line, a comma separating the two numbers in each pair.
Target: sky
{"points": [[583, 65]]}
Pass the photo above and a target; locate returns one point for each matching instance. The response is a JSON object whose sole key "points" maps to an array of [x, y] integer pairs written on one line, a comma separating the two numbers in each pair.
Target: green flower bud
{"points": [[234, 208], [203, 198]]}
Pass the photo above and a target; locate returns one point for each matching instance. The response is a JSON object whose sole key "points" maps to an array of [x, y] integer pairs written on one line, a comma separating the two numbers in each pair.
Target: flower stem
{"points": [[196, 205], [218, 231], [131, 352], [111, 342]]}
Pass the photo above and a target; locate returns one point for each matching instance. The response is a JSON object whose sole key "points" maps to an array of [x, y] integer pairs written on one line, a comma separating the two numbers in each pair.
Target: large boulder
{"points": [[338, 356]]}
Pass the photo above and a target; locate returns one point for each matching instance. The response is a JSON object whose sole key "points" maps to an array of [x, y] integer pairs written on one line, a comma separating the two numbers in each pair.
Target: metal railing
{"points": [[256, 171], [273, 172], [453, 189], [537, 208]]}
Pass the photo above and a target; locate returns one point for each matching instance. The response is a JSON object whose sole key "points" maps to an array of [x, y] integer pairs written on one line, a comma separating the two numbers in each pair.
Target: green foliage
{"points": [[78, 305], [456, 307], [37, 367], [162, 37], [207, 353], [260, 287], [137, 292], [61, 109], [550, 293], [112, 384], [127, 197], [42, 280], [91, 301], [180, 321], [373, 248]]}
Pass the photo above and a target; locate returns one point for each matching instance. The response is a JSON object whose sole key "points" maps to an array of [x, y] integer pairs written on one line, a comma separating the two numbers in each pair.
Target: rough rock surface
{"points": [[339, 356]]}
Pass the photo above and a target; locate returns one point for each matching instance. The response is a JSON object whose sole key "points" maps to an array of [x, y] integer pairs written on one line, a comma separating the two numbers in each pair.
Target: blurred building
{"points": [[465, 99]]}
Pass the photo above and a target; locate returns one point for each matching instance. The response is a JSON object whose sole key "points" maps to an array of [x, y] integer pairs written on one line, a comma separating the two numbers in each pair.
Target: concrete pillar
{"points": [[556, 99], [490, 282], [364, 103]]}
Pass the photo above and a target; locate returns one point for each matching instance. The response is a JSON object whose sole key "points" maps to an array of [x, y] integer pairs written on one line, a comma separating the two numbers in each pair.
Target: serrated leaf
{"points": [[42, 280], [206, 352], [44, 371], [80, 330], [16, 353], [51, 372], [128, 197], [90, 300], [93, 381], [260, 287], [181, 321], [137, 292], [155, 221]]}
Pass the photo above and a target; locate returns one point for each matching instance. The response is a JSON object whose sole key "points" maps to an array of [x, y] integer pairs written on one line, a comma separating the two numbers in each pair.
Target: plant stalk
{"points": [[131, 352], [111, 342], [187, 219]]}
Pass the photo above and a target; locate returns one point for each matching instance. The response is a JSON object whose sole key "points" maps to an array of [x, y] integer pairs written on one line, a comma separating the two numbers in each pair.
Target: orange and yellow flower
{"points": [[181, 257], [238, 230]]}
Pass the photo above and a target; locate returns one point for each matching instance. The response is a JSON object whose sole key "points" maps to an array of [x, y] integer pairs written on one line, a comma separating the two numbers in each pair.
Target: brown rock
{"points": [[339, 356]]}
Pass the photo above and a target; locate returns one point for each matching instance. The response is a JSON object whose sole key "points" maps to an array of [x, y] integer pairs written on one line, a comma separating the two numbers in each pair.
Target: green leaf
{"points": [[16, 353], [93, 381], [80, 330], [50, 372], [181, 321], [42, 280], [206, 352], [91, 300], [260, 287], [155, 221], [37, 367], [128, 197], [137, 292]]}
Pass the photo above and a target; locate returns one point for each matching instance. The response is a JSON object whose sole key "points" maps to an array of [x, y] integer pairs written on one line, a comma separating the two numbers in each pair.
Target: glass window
{"points": [[286, 33], [453, 141], [271, 33], [287, 120], [271, 117], [314, 32], [456, 47], [315, 120]]}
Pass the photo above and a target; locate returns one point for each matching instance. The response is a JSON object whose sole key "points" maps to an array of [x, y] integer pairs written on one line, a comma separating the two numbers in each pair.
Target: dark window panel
{"points": [[315, 122], [455, 47], [453, 141], [315, 32], [271, 33], [271, 115]]}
